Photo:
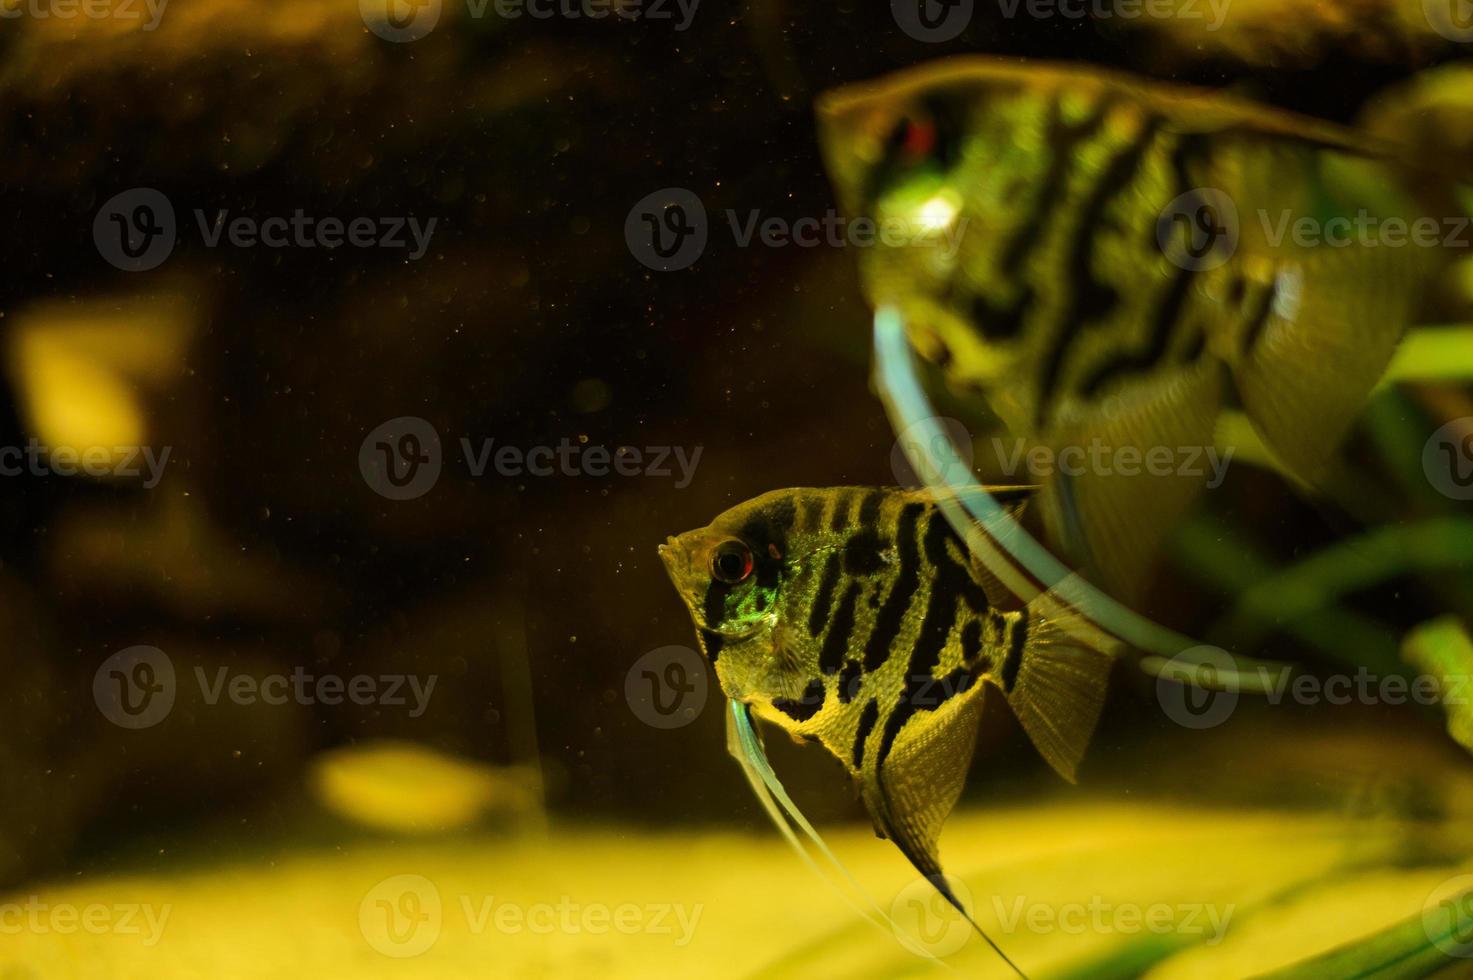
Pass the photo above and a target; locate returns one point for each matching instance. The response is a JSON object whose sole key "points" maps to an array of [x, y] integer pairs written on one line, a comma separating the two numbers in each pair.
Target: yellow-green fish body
{"points": [[1128, 264], [857, 618]]}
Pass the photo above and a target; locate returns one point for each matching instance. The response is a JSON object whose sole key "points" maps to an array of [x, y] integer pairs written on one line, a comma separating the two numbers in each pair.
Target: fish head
{"points": [[731, 575], [955, 166]]}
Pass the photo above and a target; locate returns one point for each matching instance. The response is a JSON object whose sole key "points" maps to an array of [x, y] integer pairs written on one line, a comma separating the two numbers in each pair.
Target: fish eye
{"points": [[912, 139], [731, 562]]}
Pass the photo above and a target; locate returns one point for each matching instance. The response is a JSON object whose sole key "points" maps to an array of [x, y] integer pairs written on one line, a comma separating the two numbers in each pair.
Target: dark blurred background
{"points": [[528, 321]]}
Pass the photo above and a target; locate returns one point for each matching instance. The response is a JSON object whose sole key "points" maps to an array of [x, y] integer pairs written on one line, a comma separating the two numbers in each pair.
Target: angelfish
{"points": [[858, 619], [1122, 266]]}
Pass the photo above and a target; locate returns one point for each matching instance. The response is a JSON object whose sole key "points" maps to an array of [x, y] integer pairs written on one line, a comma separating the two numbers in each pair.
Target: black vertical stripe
{"points": [[971, 640], [839, 518], [1087, 299], [869, 508], [1014, 659], [824, 599], [812, 519], [923, 692], [850, 680], [867, 719], [836, 643], [1064, 140], [864, 552], [907, 582], [713, 609], [1169, 314], [947, 587]]}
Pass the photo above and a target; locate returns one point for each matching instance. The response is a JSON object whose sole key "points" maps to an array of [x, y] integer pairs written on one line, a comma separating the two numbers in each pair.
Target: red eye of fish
{"points": [[731, 562], [915, 139]]}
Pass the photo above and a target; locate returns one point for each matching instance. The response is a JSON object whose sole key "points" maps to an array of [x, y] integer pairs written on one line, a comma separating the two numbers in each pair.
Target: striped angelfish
{"points": [[1113, 262], [856, 618]]}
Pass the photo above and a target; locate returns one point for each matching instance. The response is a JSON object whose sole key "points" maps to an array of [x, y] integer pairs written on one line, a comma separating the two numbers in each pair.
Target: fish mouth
{"points": [[675, 558]]}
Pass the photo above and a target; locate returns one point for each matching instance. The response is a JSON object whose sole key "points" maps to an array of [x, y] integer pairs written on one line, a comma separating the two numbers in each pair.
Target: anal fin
{"points": [[910, 792]]}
